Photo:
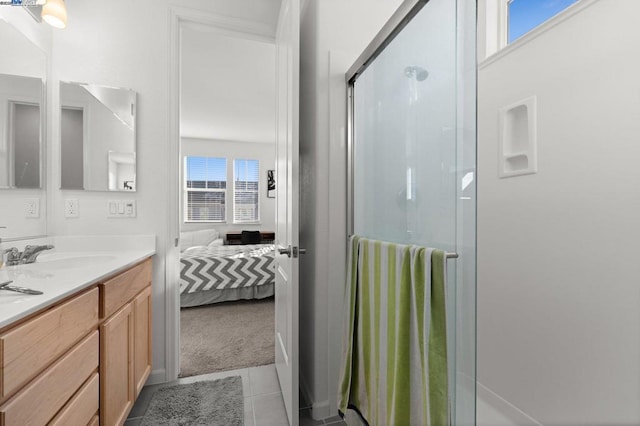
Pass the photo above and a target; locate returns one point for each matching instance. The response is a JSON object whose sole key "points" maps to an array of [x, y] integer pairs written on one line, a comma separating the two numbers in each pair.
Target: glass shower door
{"points": [[413, 162]]}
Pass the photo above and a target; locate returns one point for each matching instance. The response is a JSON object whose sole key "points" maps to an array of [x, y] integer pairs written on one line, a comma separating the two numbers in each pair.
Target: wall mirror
{"points": [[98, 137], [22, 70]]}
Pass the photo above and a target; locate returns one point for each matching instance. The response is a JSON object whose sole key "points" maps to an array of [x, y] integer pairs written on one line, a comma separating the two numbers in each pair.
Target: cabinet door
{"points": [[116, 367], [142, 338]]}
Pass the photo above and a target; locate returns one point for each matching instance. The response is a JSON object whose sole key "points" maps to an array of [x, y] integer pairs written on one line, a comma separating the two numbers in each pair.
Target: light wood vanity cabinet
{"points": [[82, 361], [142, 343], [46, 359], [125, 341], [116, 367]]}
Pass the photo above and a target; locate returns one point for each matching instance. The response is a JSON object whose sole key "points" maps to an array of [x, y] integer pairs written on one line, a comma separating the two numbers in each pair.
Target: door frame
{"points": [[179, 18]]}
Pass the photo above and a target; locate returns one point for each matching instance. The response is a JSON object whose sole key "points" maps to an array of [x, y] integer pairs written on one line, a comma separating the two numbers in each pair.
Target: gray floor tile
{"points": [[353, 419], [331, 420], [248, 412], [306, 420], [269, 410], [264, 380], [338, 423], [142, 403], [133, 422]]}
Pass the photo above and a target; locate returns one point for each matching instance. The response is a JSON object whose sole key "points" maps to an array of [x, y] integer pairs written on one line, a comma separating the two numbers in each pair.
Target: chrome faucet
{"points": [[29, 255]]}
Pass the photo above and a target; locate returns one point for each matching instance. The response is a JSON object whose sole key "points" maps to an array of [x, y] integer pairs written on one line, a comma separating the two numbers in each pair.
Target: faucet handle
{"points": [[13, 256]]}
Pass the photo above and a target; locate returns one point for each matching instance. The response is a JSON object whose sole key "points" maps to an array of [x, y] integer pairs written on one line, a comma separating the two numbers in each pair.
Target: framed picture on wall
{"points": [[271, 183]]}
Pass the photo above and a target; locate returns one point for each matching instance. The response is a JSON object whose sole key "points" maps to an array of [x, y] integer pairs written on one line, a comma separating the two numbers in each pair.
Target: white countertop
{"points": [[74, 264]]}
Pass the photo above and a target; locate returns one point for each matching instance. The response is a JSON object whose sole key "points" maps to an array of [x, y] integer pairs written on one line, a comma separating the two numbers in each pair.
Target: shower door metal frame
{"points": [[467, 14], [402, 16]]}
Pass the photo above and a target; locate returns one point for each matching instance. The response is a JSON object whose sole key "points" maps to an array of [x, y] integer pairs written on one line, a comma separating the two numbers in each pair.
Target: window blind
{"points": [[205, 189], [246, 182]]}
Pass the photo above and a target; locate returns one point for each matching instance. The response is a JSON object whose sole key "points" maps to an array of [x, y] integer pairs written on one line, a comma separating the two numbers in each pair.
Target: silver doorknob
{"points": [[286, 251], [292, 251]]}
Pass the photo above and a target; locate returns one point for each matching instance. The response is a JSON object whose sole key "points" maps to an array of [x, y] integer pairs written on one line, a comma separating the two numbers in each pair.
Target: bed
{"points": [[217, 273]]}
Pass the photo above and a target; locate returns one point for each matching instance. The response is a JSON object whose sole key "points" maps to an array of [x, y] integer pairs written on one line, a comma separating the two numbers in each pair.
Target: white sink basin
{"points": [[70, 260]]}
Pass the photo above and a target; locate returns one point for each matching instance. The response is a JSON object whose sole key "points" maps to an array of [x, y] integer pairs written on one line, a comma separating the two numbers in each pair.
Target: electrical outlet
{"points": [[32, 207], [71, 207]]}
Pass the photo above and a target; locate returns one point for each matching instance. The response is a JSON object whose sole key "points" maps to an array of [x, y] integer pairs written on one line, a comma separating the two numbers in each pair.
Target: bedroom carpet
{"points": [[206, 403], [227, 336]]}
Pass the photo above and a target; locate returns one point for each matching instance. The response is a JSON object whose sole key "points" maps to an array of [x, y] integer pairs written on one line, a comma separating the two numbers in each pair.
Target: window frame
{"points": [[257, 192], [494, 42], [187, 190]]}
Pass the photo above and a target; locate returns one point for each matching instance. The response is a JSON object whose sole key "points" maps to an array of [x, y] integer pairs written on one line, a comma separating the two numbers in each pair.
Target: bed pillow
{"points": [[194, 249], [197, 238], [216, 243]]}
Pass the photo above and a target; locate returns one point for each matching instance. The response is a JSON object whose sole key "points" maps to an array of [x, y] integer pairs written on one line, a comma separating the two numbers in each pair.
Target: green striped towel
{"points": [[394, 356]]}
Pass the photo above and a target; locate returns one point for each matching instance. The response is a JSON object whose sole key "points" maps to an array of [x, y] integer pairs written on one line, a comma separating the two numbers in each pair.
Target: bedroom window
{"points": [[246, 197], [205, 189]]}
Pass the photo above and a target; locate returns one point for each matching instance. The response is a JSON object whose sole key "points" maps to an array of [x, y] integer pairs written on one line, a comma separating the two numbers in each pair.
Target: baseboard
{"points": [[319, 410], [156, 377], [516, 416]]}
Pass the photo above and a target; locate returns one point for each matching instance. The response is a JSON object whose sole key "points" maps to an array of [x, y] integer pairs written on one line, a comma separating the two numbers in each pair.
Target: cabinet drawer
{"points": [[118, 291], [39, 401], [29, 348], [82, 407]]}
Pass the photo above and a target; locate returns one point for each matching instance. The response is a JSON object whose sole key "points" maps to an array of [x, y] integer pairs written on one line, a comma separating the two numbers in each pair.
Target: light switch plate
{"points": [[121, 209]]}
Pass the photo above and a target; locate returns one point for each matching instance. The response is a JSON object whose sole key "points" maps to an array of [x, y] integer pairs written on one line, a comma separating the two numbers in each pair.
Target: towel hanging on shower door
{"points": [[394, 356]]}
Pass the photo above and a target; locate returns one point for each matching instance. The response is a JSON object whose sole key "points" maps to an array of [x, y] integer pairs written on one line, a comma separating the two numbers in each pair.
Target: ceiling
{"points": [[227, 87]]}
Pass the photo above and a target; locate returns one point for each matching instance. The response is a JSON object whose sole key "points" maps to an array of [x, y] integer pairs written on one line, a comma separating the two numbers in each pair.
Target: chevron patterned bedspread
{"points": [[225, 267]]}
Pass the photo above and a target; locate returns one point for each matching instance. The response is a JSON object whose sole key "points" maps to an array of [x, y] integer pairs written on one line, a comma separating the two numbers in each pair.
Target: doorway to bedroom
{"points": [[227, 215]]}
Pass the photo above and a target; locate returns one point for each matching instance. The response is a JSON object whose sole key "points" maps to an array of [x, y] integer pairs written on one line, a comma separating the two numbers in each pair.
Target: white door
{"points": [[287, 195]]}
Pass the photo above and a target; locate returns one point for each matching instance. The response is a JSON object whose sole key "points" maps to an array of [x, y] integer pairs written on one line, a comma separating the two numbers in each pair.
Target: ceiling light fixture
{"points": [[54, 12]]}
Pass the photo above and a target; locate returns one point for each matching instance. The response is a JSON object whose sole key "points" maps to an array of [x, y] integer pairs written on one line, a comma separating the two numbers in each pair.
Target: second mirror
{"points": [[98, 137]]}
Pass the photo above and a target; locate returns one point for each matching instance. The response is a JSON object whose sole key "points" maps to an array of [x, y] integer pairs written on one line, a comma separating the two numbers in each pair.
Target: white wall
{"points": [[103, 45], [558, 294], [334, 34], [263, 152]]}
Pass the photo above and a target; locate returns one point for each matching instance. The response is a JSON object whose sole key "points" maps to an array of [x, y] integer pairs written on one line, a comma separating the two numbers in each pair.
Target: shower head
{"points": [[418, 72]]}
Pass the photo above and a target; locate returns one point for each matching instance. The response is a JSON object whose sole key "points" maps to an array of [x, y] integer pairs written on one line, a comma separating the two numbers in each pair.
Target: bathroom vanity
{"points": [[80, 353]]}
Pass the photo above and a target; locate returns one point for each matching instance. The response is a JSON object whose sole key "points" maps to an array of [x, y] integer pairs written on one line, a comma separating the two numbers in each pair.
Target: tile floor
{"points": [[263, 404]]}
